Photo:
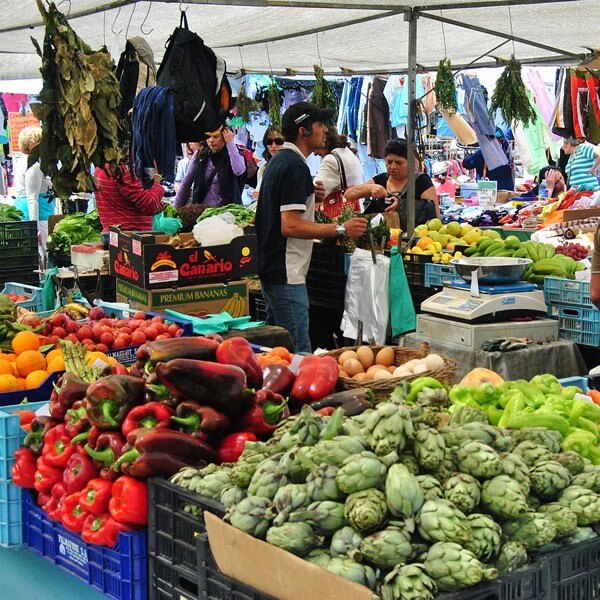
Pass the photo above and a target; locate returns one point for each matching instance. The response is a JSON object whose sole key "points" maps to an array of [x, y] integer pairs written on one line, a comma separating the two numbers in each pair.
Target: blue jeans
{"points": [[287, 306]]}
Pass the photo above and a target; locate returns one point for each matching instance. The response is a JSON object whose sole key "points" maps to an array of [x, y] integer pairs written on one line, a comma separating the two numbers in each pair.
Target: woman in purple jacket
{"points": [[215, 175]]}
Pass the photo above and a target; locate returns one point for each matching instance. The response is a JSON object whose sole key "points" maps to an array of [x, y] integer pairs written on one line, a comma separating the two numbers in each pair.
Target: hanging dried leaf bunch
{"points": [[78, 106], [445, 87], [274, 103], [323, 95], [510, 96], [245, 105]]}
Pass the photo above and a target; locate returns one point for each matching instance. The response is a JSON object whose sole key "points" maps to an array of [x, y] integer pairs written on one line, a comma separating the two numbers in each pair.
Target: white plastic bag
{"points": [[367, 297], [214, 231]]}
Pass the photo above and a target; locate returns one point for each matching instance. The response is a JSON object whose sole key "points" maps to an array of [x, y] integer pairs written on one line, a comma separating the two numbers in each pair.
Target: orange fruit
{"points": [[29, 361], [10, 357], [282, 352], [6, 368], [25, 340], [35, 379], [8, 383], [53, 354], [21, 382], [56, 364]]}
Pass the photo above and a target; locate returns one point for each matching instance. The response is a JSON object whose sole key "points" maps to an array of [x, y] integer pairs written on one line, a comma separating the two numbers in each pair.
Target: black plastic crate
{"points": [[22, 275], [14, 234], [167, 582], [414, 267], [420, 293], [575, 560]]}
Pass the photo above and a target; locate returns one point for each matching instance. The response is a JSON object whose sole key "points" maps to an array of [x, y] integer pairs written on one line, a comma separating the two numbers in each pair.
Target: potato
{"points": [[365, 356], [352, 367], [385, 356], [344, 356]]}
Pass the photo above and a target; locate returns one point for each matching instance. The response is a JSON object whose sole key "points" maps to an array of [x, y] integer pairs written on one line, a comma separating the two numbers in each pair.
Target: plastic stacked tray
{"points": [[18, 252], [11, 437], [120, 573], [35, 300], [438, 274]]}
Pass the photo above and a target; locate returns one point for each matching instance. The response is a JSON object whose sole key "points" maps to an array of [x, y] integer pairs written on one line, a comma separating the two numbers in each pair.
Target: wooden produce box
{"points": [[147, 261], [197, 300]]}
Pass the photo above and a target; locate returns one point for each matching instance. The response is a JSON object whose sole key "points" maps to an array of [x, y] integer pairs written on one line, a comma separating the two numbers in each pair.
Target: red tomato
{"points": [[140, 316], [157, 319], [87, 342], [125, 337], [59, 332], [72, 338], [138, 338], [134, 324], [151, 332], [173, 329], [118, 343], [97, 331], [72, 326], [127, 330], [85, 332], [102, 348], [162, 336], [107, 338]]}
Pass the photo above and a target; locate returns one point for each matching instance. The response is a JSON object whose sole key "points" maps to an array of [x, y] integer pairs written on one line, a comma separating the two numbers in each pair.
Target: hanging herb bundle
{"points": [[78, 106], [510, 96], [323, 95], [274, 106], [245, 105], [445, 87]]}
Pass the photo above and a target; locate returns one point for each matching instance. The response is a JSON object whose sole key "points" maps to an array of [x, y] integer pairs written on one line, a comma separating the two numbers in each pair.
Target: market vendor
{"points": [[216, 173], [31, 187], [121, 199], [394, 183], [584, 159]]}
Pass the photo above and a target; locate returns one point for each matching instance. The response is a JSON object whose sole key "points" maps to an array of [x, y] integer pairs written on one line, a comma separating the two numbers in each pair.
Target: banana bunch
{"points": [[236, 306], [74, 310], [557, 266], [510, 247]]}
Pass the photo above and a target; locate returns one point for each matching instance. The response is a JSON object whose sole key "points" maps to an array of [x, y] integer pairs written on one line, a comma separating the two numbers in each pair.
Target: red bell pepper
{"points": [[149, 415], [46, 476], [102, 530], [72, 513], [278, 378], [232, 446], [25, 416], [200, 421], [129, 502], [109, 447], [78, 471], [197, 348], [57, 447], [95, 496], [69, 389], [238, 351], [24, 468], [76, 420], [35, 438], [53, 507], [90, 436], [317, 376], [42, 499], [267, 413]]}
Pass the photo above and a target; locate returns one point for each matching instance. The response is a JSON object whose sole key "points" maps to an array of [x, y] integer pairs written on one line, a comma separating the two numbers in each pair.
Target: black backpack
{"points": [[197, 77], [135, 71]]}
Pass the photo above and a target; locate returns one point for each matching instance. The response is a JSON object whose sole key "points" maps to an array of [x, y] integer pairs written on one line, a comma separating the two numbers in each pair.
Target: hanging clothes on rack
{"points": [[342, 119], [543, 98], [562, 117], [378, 119], [532, 141]]}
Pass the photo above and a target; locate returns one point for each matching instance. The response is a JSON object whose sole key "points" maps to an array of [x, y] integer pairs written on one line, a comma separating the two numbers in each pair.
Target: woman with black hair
{"points": [[273, 140], [216, 173]]}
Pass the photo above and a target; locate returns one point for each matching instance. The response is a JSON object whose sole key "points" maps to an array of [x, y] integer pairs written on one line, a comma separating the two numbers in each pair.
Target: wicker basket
{"points": [[382, 387]]}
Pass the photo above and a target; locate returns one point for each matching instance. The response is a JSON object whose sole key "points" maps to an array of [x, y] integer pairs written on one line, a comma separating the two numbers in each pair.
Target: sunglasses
{"points": [[278, 140]]}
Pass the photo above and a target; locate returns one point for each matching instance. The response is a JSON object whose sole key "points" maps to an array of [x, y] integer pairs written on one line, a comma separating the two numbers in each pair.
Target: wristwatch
{"points": [[340, 229]]}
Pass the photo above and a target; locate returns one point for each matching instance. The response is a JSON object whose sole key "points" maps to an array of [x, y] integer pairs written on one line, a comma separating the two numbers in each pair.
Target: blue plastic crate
{"points": [[35, 302], [558, 290], [39, 394], [438, 274], [11, 520], [580, 382], [120, 572], [577, 324]]}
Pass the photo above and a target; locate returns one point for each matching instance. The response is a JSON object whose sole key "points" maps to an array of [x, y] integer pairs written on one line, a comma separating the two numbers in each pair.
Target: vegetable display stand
{"points": [[120, 572]]}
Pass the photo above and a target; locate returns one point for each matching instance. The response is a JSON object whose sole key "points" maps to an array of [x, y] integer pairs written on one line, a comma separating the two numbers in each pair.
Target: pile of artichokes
{"points": [[404, 509]]}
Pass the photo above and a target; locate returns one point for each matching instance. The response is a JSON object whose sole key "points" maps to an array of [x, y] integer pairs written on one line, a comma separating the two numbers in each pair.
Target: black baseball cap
{"points": [[303, 114]]}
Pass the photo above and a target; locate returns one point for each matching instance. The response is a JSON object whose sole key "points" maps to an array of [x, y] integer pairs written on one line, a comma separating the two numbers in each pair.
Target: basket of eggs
{"points": [[382, 368]]}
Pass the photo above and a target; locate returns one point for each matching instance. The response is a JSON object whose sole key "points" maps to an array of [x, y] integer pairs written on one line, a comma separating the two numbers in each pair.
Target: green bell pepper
{"points": [[554, 422], [418, 384], [583, 442]]}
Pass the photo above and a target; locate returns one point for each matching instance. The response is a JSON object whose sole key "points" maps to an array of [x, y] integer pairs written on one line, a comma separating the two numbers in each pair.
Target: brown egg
{"points": [[382, 374], [352, 367], [365, 356], [360, 377], [344, 356], [385, 356], [373, 369]]}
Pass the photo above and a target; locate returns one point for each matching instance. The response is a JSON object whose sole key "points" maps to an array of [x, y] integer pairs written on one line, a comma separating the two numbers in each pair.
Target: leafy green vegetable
{"points": [[75, 229], [445, 87], [245, 105], [171, 211], [243, 216], [10, 213], [323, 95], [274, 102]]}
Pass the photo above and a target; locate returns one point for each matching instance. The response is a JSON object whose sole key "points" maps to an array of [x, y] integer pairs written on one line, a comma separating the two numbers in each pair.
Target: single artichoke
{"points": [[322, 485], [583, 502], [430, 486], [402, 492], [448, 466], [265, 483], [289, 498], [454, 568], [463, 413], [503, 497], [512, 556], [516, 468], [486, 537], [588, 479], [319, 557], [213, 485], [429, 447], [297, 538], [531, 452], [346, 567], [387, 548], [366, 510], [539, 435], [253, 515], [409, 460], [549, 478], [572, 460], [478, 459], [441, 521], [563, 517], [464, 491], [253, 455], [388, 428], [345, 542], [325, 517], [361, 473], [474, 431], [408, 582], [232, 495], [534, 530]]}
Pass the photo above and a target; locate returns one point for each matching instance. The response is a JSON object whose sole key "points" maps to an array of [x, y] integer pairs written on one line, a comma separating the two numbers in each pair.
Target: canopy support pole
{"points": [[411, 17]]}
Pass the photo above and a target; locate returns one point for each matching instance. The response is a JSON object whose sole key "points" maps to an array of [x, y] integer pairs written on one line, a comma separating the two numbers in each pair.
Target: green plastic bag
{"points": [[168, 225], [48, 289], [403, 317]]}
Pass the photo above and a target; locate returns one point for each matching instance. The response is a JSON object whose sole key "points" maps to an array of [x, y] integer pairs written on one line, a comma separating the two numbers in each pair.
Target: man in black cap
{"points": [[285, 224]]}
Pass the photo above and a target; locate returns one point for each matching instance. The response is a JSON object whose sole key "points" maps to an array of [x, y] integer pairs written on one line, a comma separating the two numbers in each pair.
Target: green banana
{"points": [[484, 244], [541, 250], [521, 253], [531, 250], [548, 267], [495, 246], [470, 251], [550, 251], [533, 278], [506, 252]]}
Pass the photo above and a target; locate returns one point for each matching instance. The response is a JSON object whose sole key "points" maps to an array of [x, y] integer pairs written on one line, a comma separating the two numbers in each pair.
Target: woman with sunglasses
{"points": [[273, 140], [216, 173]]}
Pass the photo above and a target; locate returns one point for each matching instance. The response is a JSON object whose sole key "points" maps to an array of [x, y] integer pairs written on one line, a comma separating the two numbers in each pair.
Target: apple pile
{"points": [[103, 333]]}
